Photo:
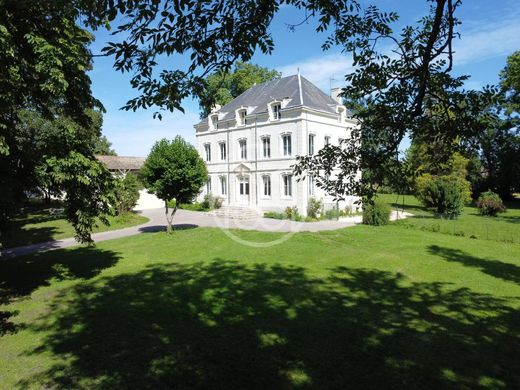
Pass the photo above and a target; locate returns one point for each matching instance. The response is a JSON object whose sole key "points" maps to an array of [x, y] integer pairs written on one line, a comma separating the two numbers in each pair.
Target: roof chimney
{"points": [[335, 94], [216, 107]]}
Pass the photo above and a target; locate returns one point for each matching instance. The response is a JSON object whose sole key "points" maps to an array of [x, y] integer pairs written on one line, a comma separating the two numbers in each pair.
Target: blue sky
{"points": [[489, 33]]}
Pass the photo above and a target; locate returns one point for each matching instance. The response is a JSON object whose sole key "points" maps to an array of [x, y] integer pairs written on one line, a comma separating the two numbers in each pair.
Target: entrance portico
{"points": [[243, 185]]}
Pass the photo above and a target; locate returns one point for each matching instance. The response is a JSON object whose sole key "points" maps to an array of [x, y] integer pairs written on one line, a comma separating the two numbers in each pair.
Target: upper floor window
{"points": [[207, 150], [276, 108], [223, 153], [266, 147], [243, 149], [287, 185], [311, 144], [287, 144], [327, 140], [241, 117], [267, 185]]}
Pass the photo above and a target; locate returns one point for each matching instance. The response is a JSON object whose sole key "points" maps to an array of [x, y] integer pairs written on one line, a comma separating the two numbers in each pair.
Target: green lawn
{"points": [[363, 307], [505, 227], [37, 224]]}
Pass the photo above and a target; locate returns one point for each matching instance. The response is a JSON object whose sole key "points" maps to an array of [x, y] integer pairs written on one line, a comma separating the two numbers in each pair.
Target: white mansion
{"points": [[250, 144]]}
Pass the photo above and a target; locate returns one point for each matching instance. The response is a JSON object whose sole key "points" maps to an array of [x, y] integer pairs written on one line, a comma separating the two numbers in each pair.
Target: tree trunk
{"points": [[169, 217]]}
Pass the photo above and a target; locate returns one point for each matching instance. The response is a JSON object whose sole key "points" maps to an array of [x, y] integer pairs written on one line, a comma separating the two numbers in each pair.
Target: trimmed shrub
{"points": [[332, 214], [376, 213], [192, 207], [490, 204], [211, 202], [293, 214], [274, 215], [217, 203], [443, 195], [314, 207], [208, 201]]}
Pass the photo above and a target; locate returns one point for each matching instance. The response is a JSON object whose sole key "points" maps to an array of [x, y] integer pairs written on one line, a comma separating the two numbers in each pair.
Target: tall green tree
{"points": [[222, 87], [174, 171], [48, 123], [54, 157], [510, 82]]}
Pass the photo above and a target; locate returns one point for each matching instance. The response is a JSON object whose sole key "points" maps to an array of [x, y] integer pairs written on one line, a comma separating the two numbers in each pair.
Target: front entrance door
{"points": [[243, 191]]}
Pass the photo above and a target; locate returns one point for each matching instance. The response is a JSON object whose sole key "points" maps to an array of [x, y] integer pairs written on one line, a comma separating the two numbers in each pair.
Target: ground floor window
{"points": [[267, 185], [311, 185], [208, 185], [287, 185], [223, 185]]}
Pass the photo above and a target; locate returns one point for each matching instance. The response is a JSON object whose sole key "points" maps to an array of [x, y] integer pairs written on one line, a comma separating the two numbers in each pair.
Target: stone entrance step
{"points": [[236, 212]]}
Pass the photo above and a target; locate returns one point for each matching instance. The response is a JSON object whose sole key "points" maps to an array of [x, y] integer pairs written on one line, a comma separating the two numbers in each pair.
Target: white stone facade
{"points": [[255, 169]]}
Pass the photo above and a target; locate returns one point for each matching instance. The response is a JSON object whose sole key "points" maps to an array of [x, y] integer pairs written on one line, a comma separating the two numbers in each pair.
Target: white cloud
{"points": [[495, 36], [133, 134], [319, 70], [488, 40], [491, 41]]}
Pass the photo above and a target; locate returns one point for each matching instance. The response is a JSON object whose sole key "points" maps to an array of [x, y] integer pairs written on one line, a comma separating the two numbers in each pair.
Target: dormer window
{"points": [[276, 111], [213, 121], [341, 112], [241, 117]]}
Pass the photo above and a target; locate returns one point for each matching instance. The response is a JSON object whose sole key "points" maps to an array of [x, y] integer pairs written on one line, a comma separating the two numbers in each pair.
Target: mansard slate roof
{"points": [[299, 91], [123, 163]]}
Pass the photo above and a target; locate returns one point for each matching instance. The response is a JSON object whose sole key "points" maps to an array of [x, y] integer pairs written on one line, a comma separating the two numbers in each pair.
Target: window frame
{"points": [[213, 121], [241, 117], [242, 149], [313, 137], [287, 186], [266, 140], [223, 185], [208, 185], [267, 184], [311, 186], [223, 148], [286, 148], [276, 110], [207, 152]]}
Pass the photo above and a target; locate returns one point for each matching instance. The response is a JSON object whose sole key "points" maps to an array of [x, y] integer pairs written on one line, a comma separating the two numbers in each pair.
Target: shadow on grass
{"points": [[17, 235], [510, 219], [22, 275], [162, 228], [226, 325], [498, 269]]}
